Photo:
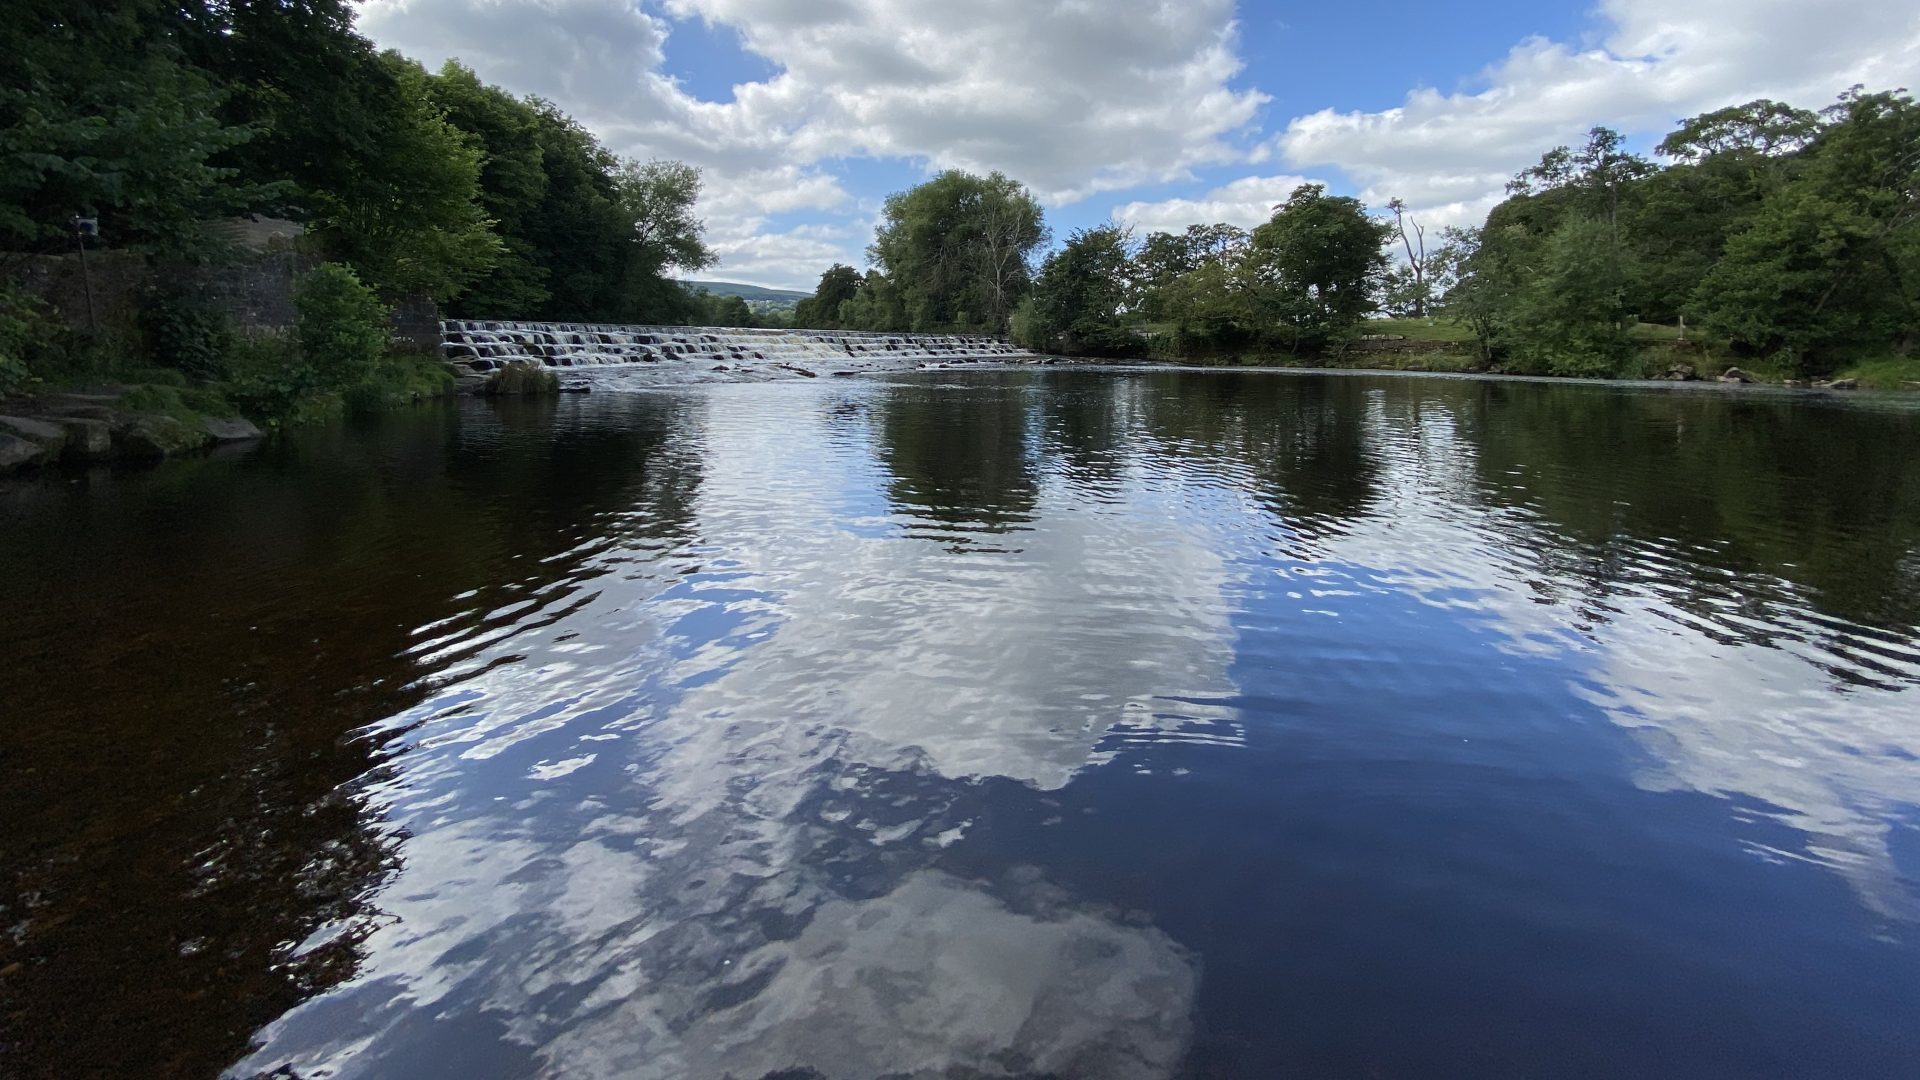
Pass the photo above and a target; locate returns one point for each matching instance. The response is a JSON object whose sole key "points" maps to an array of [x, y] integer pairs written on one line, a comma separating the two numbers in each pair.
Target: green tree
{"points": [[1828, 266], [1315, 267], [821, 311], [1762, 128], [513, 183], [718, 310], [1164, 258], [1598, 173], [100, 117], [875, 305], [342, 327], [1572, 314], [1081, 302], [957, 248], [410, 221]]}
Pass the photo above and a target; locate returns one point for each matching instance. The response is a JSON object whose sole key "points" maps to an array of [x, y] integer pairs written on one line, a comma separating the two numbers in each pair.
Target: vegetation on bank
{"points": [[1775, 238], [166, 123]]}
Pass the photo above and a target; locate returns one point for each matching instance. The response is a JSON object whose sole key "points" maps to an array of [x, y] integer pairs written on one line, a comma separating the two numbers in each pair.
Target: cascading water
{"points": [[479, 347]]}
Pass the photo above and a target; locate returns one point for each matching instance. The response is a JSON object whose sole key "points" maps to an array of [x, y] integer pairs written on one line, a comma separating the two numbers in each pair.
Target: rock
{"points": [[1735, 375], [1844, 384], [15, 452], [230, 429], [1682, 373], [88, 439], [846, 373], [44, 433], [797, 370], [156, 435], [89, 412], [1798, 384]]}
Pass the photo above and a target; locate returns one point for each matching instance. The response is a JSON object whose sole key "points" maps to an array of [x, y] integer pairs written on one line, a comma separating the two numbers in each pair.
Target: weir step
{"points": [[483, 345]]}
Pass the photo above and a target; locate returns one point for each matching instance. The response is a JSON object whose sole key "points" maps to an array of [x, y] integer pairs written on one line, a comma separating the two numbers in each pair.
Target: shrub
{"points": [[341, 328], [403, 378], [181, 329], [520, 377], [23, 325]]}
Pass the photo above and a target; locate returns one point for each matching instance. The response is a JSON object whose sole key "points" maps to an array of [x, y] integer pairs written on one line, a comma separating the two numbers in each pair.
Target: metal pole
{"points": [[86, 281]]}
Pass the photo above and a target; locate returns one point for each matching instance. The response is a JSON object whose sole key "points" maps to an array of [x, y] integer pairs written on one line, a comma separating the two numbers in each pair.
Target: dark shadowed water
{"points": [[1071, 724]]}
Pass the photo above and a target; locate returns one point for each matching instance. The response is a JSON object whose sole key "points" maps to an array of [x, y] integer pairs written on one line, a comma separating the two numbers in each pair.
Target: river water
{"points": [[978, 724]]}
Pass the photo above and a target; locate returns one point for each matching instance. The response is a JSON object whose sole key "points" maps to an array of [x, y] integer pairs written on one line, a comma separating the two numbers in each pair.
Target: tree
{"points": [[657, 199], [1475, 286], [723, 310], [1414, 294], [1166, 257], [410, 221], [875, 305], [1083, 296], [99, 117], [1316, 265], [513, 182], [1764, 128], [1829, 265], [1572, 313], [1597, 173], [957, 247], [821, 311]]}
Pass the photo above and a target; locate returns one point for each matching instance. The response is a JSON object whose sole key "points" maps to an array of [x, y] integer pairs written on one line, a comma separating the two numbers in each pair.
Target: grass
{"points": [[1428, 329], [1892, 373]]}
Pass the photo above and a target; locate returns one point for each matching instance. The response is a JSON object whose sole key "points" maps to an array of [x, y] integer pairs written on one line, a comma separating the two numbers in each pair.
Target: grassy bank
{"points": [[1441, 345], [186, 377]]}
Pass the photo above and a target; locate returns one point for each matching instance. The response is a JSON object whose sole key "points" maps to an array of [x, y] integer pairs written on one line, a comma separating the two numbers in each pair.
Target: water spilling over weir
{"points": [[477, 348]]}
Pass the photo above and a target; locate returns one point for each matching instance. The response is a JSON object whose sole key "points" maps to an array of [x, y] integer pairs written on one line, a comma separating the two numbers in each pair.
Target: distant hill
{"points": [[749, 293]]}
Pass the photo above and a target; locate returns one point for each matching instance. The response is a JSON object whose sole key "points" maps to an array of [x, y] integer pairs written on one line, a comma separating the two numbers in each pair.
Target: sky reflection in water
{"points": [[1113, 726]]}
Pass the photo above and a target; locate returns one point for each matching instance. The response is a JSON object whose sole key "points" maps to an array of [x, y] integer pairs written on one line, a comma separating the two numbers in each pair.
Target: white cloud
{"points": [[1659, 61], [1080, 98], [1072, 99], [1245, 202]]}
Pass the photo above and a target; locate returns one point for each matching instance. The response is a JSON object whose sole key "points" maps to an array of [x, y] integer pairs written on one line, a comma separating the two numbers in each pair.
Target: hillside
{"points": [[749, 293]]}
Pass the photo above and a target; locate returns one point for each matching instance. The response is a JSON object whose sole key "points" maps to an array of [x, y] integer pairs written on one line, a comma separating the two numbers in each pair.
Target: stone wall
{"points": [[256, 290]]}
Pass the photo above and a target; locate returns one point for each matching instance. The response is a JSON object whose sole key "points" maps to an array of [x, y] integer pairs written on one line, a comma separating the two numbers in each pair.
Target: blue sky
{"points": [[805, 114]]}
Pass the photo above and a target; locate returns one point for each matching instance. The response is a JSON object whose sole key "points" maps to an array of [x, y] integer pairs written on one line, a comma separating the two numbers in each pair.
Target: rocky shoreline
{"points": [[98, 424]]}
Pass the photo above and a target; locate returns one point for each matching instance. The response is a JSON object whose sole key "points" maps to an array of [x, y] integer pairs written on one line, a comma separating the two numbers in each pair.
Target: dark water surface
{"points": [[1047, 723]]}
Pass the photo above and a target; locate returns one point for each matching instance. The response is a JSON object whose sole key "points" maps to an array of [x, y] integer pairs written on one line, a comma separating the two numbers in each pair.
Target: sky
{"points": [[805, 114]]}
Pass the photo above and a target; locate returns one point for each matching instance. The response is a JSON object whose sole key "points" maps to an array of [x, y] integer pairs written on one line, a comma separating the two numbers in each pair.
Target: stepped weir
{"points": [[478, 347]]}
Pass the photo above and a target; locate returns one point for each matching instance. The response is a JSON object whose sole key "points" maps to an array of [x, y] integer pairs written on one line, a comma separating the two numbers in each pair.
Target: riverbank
{"points": [[1663, 354], [148, 414]]}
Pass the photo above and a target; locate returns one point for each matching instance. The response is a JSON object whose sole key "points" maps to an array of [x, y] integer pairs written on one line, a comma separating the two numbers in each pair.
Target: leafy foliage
{"points": [[822, 310], [957, 249], [184, 331], [1082, 294], [1316, 265], [342, 328]]}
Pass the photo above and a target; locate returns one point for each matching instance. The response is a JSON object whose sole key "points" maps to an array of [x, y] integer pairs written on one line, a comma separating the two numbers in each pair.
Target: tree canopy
{"points": [[958, 248], [162, 119]]}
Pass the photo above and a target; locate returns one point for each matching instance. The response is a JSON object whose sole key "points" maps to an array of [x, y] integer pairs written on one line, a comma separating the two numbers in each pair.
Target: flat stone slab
{"points": [[15, 452], [44, 432], [231, 429]]}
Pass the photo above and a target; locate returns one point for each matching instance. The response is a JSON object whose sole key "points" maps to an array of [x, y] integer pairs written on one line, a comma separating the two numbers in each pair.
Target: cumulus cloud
{"points": [[1245, 202], [1659, 61], [1072, 99], [1079, 99]]}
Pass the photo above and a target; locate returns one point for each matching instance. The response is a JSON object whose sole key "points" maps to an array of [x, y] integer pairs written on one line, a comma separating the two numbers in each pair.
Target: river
{"points": [[1116, 724]]}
